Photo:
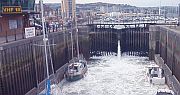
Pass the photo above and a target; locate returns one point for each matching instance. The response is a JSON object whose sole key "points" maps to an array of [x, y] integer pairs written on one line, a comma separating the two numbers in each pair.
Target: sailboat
{"points": [[77, 65], [76, 69]]}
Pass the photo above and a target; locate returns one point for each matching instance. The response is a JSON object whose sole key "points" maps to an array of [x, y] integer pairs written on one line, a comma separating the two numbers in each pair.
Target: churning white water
{"points": [[119, 49], [113, 75]]}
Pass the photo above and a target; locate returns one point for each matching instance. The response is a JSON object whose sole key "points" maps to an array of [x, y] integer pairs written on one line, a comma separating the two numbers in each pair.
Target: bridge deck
{"points": [[152, 23]]}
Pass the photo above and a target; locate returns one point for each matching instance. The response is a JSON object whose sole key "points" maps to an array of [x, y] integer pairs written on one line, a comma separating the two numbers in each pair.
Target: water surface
{"points": [[113, 75]]}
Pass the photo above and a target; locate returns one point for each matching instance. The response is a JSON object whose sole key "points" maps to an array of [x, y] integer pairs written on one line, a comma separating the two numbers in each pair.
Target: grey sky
{"points": [[130, 2]]}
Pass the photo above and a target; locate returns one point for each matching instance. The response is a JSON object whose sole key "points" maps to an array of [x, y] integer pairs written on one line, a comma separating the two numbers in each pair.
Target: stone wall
{"points": [[22, 65], [166, 42]]}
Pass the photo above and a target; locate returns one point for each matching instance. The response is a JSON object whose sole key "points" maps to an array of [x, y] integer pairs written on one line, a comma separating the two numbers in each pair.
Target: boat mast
{"points": [[72, 46], [179, 15], [45, 39], [77, 40], [160, 9], [107, 8]]}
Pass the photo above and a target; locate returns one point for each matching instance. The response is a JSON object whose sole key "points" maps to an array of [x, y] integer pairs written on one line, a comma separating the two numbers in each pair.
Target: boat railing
{"points": [[76, 59]]}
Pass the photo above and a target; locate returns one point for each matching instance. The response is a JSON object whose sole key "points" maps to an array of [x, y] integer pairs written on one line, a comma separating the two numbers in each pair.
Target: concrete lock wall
{"points": [[22, 65], [165, 50]]}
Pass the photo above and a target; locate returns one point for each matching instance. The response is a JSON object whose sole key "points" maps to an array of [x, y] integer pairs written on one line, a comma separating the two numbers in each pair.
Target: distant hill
{"points": [[57, 5], [106, 4]]}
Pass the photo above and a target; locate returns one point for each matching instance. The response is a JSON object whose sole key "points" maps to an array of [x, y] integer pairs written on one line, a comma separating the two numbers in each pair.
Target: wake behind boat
{"points": [[76, 69]]}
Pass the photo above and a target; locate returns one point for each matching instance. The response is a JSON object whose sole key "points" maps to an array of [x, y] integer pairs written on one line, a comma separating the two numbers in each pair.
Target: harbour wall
{"points": [[22, 62], [22, 65], [164, 48]]}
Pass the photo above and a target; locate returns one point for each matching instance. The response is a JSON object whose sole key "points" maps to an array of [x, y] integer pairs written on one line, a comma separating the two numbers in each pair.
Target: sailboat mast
{"points": [[72, 46], [45, 48], [74, 19], [160, 9], [77, 40], [107, 7]]}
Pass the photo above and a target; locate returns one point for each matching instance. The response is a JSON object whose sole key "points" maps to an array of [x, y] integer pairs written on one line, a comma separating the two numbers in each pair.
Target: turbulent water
{"points": [[113, 75]]}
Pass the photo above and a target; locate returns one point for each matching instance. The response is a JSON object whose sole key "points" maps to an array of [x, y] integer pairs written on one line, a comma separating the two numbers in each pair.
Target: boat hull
{"points": [[75, 77], [157, 81]]}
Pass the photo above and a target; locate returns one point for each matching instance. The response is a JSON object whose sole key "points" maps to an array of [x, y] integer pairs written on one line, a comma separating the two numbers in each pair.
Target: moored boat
{"points": [[155, 74], [76, 69]]}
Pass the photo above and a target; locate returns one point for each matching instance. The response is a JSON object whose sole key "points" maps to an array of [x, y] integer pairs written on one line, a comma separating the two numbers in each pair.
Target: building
{"points": [[14, 16], [68, 9], [52, 12]]}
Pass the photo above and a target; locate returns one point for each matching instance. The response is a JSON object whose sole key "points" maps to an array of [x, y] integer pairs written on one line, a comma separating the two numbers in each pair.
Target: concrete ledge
{"points": [[57, 78], [32, 92]]}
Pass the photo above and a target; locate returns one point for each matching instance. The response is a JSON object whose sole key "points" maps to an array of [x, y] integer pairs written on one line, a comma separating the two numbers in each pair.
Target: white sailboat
{"points": [[77, 65], [76, 69]]}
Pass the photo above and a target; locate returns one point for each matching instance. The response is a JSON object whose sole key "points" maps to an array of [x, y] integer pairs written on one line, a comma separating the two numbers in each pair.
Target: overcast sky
{"points": [[130, 2]]}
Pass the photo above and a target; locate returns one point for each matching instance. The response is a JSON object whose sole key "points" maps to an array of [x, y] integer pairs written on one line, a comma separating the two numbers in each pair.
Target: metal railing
{"points": [[15, 35]]}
